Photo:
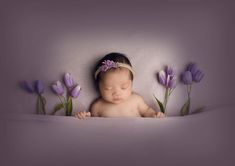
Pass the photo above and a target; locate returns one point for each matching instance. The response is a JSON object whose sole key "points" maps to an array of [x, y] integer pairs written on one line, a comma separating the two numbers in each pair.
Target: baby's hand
{"points": [[159, 114], [82, 114]]}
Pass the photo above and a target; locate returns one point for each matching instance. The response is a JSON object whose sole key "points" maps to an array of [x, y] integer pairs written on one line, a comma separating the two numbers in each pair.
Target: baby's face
{"points": [[116, 85]]}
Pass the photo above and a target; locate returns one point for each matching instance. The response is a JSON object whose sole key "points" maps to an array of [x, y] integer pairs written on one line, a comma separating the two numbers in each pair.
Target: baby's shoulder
{"points": [[95, 106], [137, 97]]}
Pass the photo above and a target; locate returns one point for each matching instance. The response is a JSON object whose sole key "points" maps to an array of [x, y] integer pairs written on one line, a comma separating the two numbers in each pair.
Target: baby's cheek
{"points": [[127, 93]]}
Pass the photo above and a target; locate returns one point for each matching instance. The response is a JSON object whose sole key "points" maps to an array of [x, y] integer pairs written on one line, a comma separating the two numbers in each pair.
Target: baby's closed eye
{"points": [[108, 88], [125, 86]]}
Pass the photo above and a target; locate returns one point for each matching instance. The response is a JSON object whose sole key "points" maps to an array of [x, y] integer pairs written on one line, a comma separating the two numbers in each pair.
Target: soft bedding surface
{"points": [[205, 138]]}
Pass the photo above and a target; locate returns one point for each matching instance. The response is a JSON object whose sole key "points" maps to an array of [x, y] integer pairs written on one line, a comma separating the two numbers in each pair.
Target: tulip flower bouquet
{"points": [[167, 79], [37, 88], [192, 74], [65, 94]]}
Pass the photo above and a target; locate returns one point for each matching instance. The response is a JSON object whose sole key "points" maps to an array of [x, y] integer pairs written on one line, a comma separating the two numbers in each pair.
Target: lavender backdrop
{"points": [[45, 39]]}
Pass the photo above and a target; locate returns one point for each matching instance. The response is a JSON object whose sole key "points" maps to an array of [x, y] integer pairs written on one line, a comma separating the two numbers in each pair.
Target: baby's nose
{"points": [[116, 92]]}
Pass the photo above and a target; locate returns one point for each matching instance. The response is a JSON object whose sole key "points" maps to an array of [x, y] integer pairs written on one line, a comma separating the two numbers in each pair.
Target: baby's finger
{"points": [[82, 113], [81, 116], [162, 115], [76, 115], [88, 114], [159, 114]]}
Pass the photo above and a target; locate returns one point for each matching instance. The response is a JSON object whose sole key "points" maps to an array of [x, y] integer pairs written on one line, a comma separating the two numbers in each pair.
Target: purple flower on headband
{"points": [[108, 64]]}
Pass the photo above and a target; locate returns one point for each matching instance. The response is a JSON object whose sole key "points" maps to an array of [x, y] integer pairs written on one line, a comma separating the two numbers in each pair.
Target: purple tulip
{"points": [[193, 68], [39, 86], [27, 86], [166, 78], [162, 77], [172, 84], [187, 78], [68, 80], [198, 76], [58, 88], [170, 71], [75, 91]]}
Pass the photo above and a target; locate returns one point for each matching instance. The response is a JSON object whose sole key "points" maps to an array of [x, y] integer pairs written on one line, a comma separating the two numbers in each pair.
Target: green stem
{"points": [[189, 88], [61, 99], [166, 99], [41, 105]]}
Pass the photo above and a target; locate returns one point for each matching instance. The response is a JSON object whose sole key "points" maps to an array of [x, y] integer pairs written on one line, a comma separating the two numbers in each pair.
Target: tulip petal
{"points": [[169, 71], [198, 76], [58, 88], [187, 78], [172, 83], [162, 77], [27, 86], [75, 91], [39, 86], [193, 68], [68, 80]]}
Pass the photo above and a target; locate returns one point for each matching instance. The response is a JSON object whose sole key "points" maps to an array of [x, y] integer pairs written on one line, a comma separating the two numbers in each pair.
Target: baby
{"points": [[114, 79]]}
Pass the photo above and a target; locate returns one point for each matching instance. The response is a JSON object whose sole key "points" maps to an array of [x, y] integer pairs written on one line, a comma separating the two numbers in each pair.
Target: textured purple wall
{"points": [[42, 40]]}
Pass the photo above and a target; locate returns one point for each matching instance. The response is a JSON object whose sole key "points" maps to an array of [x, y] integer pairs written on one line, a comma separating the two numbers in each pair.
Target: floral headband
{"points": [[109, 64]]}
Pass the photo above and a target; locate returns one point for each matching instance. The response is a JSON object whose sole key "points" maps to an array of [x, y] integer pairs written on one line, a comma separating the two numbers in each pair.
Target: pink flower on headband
{"points": [[108, 64]]}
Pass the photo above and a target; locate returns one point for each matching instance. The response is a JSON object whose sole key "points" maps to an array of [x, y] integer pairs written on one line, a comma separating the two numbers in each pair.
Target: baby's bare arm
{"points": [[147, 111]]}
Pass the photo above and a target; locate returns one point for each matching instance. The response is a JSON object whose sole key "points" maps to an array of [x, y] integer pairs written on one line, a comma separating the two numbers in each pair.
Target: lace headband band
{"points": [[109, 64]]}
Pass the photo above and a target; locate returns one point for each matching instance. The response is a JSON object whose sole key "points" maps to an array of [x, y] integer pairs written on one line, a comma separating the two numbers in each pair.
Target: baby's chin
{"points": [[116, 101]]}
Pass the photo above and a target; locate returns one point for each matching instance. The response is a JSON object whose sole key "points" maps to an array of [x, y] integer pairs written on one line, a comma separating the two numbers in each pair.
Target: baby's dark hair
{"points": [[116, 57]]}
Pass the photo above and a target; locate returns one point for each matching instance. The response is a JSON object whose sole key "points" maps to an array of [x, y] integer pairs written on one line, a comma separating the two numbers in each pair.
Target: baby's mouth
{"points": [[117, 99]]}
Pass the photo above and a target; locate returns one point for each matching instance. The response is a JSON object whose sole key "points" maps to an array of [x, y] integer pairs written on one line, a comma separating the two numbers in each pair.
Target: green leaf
{"points": [[160, 104], [185, 108], [69, 107], [57, 108]]}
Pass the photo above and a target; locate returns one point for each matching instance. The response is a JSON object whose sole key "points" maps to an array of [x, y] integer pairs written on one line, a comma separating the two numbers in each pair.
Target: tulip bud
{"points": [[187, 78], [172, 84], [162, 77], [39, 86], [27, 86], [68, 80], [75, 91], [58, 88], [198, 76]]}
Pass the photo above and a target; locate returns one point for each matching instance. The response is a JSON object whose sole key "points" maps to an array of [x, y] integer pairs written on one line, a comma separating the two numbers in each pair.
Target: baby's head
{"points": [[113, 77]]}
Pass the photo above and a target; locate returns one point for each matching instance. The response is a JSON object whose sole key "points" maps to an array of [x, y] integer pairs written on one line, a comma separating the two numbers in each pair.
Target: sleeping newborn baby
{"points": [[114, 78]]}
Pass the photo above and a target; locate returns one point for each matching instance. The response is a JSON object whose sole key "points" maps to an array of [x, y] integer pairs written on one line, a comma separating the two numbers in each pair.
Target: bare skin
{"points": [[117, 98]]}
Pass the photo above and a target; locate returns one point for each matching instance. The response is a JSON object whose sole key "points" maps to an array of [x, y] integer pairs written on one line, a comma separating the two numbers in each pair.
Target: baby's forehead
{"points": [[119, 75]]}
